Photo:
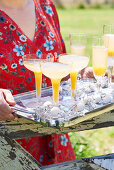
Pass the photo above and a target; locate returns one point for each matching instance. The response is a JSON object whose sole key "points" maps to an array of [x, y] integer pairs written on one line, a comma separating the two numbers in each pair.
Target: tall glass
{"points": [[78, 43], [55, 71], [108, 37], [99, 59], [76, 63], [32, 63]]}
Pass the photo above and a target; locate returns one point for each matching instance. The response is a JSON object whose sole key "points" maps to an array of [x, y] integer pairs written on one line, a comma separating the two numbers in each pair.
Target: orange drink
{"points": [[32, 63], [55, 71], [76, 64]]}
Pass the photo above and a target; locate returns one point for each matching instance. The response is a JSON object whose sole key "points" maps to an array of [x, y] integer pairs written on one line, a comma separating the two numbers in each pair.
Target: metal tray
{"points": [[72, 112]]}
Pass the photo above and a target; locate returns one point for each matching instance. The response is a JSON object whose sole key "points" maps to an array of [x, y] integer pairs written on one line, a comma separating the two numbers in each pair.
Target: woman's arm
{"points": [[6, 100]]}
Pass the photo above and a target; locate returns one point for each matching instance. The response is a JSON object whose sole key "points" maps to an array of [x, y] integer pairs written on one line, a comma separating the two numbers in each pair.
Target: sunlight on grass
{"points": [[90, 21], [93, 142]]}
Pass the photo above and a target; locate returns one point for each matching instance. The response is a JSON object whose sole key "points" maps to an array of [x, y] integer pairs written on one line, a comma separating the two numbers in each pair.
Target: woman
{"points": [[28, 26]]}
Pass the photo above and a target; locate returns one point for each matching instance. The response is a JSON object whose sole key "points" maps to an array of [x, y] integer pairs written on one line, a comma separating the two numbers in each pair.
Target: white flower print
{"points": [[38, 53], [1, 33], [49, 10], [22, 38], [51, 34], [14, 65], [49, 45], [21, 61], [19, 50], [64, 140]]}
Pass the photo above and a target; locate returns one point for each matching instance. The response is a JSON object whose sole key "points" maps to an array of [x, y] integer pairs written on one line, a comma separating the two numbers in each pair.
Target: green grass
{"points": [[92, 142], [90, 21]]}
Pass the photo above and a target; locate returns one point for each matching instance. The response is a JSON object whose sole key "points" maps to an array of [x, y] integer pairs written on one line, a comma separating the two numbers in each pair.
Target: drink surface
{"points": [[78, 49], [33, 65], [76, 62], [55, 70]]}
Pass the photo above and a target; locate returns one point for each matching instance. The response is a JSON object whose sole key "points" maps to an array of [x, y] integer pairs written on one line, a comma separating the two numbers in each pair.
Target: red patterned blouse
{"points": [[15, 77]]}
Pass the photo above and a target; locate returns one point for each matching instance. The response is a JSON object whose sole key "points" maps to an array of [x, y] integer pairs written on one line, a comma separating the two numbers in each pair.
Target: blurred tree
{"points": [[67, 3]]}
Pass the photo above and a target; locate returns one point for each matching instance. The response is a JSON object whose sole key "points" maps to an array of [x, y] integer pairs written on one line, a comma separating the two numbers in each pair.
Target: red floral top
{"points": [[15, 77], [14, 44]]}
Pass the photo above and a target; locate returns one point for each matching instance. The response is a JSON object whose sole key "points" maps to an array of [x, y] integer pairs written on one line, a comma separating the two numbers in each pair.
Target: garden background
{"points": [[87, 18]]}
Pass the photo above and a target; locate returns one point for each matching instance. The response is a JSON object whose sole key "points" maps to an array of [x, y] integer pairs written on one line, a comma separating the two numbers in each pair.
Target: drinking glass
{"points": [[33, 63], [108, 37], [76, 63], [55, 71], [99, 59], [78, 43]]}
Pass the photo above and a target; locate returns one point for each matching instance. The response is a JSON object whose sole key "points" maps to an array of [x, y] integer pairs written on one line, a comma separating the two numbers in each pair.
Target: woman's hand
{"points": [[6, 100], [87, 73]]}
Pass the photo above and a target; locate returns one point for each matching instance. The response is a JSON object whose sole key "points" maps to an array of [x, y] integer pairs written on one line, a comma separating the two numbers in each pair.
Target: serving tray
{"points": [[89, 102]]}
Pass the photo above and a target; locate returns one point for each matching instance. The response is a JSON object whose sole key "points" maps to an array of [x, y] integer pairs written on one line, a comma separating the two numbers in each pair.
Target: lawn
{"points": [[93, 142], [89, 21]]}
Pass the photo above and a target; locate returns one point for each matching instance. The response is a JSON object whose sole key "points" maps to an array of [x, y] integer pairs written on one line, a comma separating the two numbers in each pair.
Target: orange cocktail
{"points": [[99, 59], [55, 71], [32, 63], [76, 64]]}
